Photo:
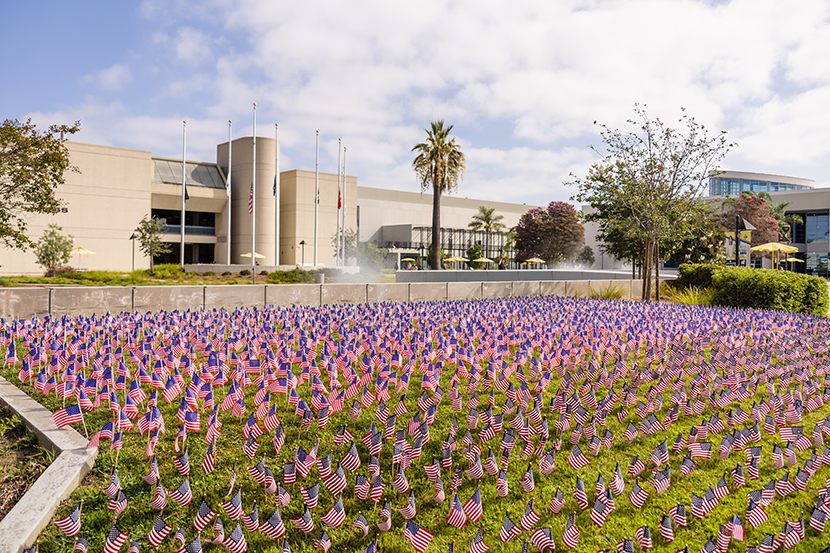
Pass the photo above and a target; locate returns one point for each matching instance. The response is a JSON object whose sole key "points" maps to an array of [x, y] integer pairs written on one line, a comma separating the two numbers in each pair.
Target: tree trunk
{"points": [[633, 270], [657, 271], [435, 254], [647, 273]]}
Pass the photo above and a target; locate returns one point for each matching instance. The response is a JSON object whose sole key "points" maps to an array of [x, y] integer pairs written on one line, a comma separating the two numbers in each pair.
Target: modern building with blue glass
{"points": [[731, 183], [812, 234]]}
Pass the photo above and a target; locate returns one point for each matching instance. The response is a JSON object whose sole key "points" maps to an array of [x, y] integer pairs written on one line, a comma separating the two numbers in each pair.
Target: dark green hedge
{"points": [[743, 288]]}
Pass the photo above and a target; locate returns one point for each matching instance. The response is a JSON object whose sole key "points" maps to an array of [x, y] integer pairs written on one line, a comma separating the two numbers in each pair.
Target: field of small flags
{"points": [[525, 424]]}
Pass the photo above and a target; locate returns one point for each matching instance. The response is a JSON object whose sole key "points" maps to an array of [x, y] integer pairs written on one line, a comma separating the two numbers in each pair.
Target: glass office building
{"points": [[733, 183]]}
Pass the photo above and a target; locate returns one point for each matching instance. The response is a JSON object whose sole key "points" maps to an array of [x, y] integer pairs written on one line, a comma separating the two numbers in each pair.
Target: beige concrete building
{"points": [[117, 187]]}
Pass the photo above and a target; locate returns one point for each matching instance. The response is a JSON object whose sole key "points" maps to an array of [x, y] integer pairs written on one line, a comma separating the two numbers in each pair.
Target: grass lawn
{"points": [[600, 346]]}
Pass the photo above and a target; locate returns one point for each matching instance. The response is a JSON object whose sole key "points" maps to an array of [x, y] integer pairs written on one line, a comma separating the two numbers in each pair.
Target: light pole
{"points": [[302, 245], [133, 237]]}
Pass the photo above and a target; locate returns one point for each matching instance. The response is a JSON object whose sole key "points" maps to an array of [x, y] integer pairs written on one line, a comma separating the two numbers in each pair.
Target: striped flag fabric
{"points": [[71, 523], [417, 536], [571, 535], [71, 414], [158, 532]]}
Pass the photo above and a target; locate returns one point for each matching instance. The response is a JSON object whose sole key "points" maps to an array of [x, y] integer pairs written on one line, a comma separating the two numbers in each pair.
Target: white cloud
{"points": [[113, 78], [522, 82], [192, 46]]}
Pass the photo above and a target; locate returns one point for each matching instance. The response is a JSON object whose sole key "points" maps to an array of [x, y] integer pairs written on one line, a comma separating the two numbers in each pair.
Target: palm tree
{"points": [[487, 220], [440, 164]]}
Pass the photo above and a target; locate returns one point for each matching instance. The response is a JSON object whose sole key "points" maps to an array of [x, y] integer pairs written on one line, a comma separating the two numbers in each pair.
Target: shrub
{"points": [[245, 272], [742, 287], [264, 273], [294, 276], [65, 270], [696, 274], [691, 295], [208, 273], [227, 273], [168, 270], [610, 292]]}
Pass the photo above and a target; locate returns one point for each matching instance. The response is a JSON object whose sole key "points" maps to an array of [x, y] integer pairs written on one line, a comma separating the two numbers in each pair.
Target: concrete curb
{"points": [[20, 528]]}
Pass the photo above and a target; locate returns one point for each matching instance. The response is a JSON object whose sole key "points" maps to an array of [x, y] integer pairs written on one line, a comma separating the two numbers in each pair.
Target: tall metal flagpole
{"points": [[277, 195], [230, 167], [253, 205], [316, 193], [343, 223], [184, 185], [339, 203]]}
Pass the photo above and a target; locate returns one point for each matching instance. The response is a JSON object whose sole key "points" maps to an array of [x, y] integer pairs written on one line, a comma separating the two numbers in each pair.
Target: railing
{"points": [[189, 229]]}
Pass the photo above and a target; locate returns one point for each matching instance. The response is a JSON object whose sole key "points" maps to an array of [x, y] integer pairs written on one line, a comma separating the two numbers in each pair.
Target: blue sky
{"points": [[522, 82]]}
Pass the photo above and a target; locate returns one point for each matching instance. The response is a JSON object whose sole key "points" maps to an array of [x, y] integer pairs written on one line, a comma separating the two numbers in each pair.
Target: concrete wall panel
{"points": [[293, 294], [526, 288], [231, 297], [496, 289], [581, 288], [463, 290], [560, 288], [343, 293], [637, 289], [170, 298], [427, 291], [23, 303], [91, 300], [391, 292]]}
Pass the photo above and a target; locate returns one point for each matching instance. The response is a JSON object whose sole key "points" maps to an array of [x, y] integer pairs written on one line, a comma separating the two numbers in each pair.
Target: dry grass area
{"points": [[21, 460]]}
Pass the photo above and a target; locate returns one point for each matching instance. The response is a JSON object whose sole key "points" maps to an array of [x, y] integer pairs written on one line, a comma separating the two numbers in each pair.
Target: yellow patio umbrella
{"points": [[455, 259], [408, 260], [774, 247], [256, 255], [80, 251], [535, 260], [483, 260]]}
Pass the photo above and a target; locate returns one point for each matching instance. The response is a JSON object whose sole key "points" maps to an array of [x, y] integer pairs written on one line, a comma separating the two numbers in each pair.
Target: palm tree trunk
{"points": [[435, 254]]}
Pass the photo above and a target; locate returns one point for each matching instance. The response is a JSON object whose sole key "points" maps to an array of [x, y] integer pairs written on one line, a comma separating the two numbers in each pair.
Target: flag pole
{"points": [[230, 167], [277, 195], [316, 193], [253, 210], [184, 184], [343, 222], [339, 204]]}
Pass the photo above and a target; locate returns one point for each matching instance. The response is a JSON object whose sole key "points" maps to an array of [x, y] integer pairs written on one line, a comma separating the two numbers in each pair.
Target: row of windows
{"points": [[729, 186], [814, 227]]}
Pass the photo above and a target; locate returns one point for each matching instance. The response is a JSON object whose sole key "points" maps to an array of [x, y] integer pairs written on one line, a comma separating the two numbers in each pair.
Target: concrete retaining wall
{"points": [[25, 302]]}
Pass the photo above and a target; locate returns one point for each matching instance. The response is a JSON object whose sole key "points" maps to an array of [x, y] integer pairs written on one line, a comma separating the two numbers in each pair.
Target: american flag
{"points": [[70, 524], [571, 534], [304, 522], [273, 526], [236, 540], [478, 545], [417, 536], [158, 532]]}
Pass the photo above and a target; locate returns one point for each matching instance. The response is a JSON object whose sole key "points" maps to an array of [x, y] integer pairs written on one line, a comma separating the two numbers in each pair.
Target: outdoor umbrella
{"points": [[256, 255], [483, 260], [455, 259], [774, 247], [408, 259], [80, 251], [535, 260]]}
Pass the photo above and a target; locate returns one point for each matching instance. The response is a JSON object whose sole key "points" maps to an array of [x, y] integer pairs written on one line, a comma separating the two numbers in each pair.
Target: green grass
{"points": [[139, 517]]}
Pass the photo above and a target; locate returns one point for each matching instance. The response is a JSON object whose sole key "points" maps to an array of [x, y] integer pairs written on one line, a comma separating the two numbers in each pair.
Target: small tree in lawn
{"points": [[554, 234], [53, 249], [149, 233], [650, 180]]}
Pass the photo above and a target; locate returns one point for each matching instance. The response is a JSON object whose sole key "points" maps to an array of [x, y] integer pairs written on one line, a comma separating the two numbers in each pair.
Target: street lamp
{"points": [[302, 245], [133, 237]]}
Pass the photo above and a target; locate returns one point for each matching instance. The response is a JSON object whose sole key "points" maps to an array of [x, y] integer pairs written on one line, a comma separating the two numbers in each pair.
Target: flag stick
{"points": [[83, 420]]}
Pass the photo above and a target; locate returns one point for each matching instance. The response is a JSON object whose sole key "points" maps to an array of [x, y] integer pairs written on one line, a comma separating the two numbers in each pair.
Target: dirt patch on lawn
{"points": [[21, 460]]}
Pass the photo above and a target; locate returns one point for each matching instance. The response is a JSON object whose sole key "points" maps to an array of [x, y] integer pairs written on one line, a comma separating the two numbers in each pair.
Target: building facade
{"points": [[116, 187]]}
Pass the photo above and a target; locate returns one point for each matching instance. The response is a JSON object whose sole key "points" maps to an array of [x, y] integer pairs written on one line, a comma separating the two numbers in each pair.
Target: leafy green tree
{"points": [[475, 252], [586, 257], [439, 164], [652, 176], [701, 241], [755, 209], [32, 166], [488, 221], [148, 232], [52, 249], [554, 234]]}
